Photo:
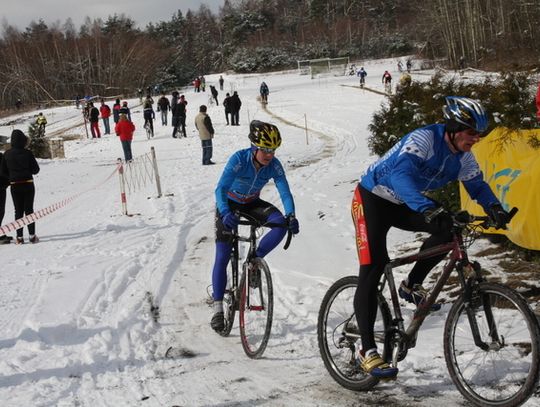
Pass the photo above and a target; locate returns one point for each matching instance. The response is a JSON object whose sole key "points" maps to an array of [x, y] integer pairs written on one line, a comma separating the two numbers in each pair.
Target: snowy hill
{"points": [[77, 327]]}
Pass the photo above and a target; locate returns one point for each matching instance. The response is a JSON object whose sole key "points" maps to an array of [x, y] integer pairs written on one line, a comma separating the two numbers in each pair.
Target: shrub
{"points": [[508, 99]]}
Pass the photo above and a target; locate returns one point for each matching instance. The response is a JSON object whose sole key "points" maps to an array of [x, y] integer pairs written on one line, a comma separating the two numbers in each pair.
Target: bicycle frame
{"points": [[457, 253], [459, 261], [235, 254]]}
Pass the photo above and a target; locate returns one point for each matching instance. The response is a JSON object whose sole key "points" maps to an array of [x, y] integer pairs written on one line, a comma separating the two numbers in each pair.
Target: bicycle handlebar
{"points": [[464, 218], [269, 225]]}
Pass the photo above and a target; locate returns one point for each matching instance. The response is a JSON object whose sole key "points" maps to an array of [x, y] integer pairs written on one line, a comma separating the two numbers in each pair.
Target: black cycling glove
{"points": [[498, 216], [439, 218]]}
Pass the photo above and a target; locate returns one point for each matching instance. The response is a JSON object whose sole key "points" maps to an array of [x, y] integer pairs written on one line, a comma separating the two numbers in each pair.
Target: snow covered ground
{"points": [[76, 322]]}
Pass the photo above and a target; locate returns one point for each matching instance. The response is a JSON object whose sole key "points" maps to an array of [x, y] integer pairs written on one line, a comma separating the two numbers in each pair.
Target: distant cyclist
{"points": [[41, 122], [387, 81], [148, 113], [391, 194], [237, 193], [264, 91], [362, 75]]}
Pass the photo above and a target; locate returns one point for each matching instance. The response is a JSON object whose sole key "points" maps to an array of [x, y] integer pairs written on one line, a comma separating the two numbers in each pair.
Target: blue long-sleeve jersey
{"points": [[242, 183], [422, 162]]}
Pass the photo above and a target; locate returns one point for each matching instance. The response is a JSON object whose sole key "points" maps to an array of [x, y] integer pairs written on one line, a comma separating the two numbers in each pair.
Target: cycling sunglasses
{"points": [[267, 150]]}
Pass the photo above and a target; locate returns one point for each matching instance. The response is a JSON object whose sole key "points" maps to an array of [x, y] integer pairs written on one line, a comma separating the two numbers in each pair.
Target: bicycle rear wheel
{"points": [[256, 308], [148, 131], [502, 370], [337, 333]]}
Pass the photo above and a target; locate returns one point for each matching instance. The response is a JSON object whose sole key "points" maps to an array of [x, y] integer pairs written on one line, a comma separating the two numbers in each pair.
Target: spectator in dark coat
{"points": [[214, 92], [226, 104], [221, 81], [125, 110], [18, 166], [116, 110], [179, 116], [4, 183], [163, 106], [94, 120], [235, 103]]}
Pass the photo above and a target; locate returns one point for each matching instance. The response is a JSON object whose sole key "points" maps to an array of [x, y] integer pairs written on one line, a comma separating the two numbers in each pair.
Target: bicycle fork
{"points": [[395, 338], [474, 301]]}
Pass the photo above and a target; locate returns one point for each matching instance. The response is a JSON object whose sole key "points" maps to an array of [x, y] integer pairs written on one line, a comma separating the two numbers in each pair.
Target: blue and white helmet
{"points": [[462, 113]]}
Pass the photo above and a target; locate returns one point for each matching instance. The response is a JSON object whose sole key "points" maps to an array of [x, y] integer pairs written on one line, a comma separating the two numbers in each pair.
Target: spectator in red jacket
{"points": [[124, 129], [105, 112]]}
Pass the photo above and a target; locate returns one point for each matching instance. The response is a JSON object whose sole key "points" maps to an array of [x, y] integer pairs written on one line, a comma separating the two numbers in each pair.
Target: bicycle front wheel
{"points": [[230, 302], [337, 334], [256, 308], [491, 347]]}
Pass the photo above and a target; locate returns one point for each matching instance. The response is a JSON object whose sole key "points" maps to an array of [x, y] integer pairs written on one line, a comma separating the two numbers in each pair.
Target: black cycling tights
{"points": [[380, 215]]}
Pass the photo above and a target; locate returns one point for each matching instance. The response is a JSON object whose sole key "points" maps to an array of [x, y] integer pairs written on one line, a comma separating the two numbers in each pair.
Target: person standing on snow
{"points": [[214, 93], [125, 110], [116, 110], [93, 117], [124, 129], [105, 111], [163, 106], [18, 166], [179, 116], [203, 123], [227, 106], [235, 104], [4, 183]]}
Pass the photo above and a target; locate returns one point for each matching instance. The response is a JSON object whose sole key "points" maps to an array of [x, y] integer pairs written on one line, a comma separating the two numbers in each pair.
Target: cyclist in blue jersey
{"points": [[237, 194], [391, 193]]}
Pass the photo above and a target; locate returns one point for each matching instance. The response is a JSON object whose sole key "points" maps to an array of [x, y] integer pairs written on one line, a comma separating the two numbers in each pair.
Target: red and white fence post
{"points": [[122, 187]]}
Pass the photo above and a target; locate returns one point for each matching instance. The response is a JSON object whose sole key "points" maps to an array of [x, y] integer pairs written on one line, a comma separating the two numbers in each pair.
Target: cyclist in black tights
{"points": [[391, 194]]}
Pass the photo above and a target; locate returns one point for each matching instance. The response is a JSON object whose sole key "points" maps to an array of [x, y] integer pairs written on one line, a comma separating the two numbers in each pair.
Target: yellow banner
{"points": [[513, 172]]}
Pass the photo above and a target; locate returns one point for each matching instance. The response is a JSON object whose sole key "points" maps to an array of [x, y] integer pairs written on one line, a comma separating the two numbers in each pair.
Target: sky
{"points": [[21, 13], [76, 327]]}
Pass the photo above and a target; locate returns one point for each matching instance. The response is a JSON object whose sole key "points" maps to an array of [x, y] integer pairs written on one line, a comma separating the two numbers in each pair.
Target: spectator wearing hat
{"points": [[18, 166], [116, 110], [125, 110]]}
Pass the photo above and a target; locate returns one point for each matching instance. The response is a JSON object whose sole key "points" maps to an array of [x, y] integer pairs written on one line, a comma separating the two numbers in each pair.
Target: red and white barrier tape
{"points": [[19, 223]]}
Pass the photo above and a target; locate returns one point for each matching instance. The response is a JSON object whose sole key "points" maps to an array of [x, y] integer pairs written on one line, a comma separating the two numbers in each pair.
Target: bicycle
{"points": [[149, 132], [491, 336], [388, 88], [253, 295], [362, 82]]}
